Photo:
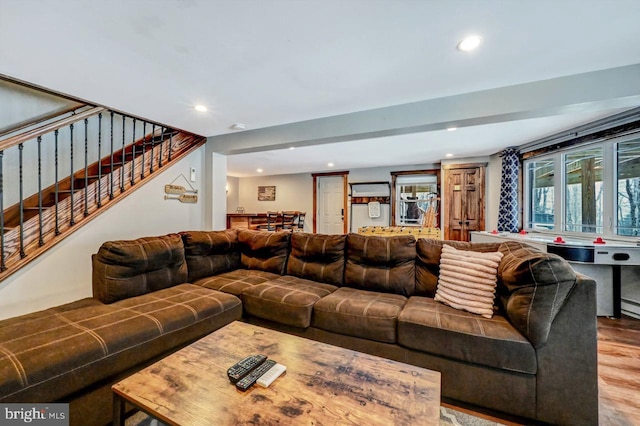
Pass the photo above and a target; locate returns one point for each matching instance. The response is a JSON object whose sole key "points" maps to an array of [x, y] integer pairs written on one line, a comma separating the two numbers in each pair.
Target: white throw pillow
{"points": [[468, 279]]}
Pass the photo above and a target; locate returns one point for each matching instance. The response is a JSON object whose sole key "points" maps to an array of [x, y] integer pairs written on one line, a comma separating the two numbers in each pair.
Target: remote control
{"points": [[244, 367], [250, 379], [274, 372]]}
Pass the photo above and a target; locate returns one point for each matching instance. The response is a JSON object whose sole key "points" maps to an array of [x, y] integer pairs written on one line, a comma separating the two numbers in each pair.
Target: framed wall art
{"points": [[266, 193]]}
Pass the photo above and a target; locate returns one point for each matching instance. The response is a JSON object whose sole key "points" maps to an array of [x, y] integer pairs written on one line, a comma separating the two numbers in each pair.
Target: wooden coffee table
{"points": [[323, 384]]}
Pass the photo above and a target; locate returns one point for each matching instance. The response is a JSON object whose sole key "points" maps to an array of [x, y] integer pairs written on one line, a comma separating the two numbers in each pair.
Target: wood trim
{"points": [[601, 136], [344, 175], [42, 130], [464, 166]]}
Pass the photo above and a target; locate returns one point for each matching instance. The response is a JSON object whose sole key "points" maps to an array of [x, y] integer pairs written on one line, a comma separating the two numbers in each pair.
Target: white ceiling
{"points": [[273, 62]]}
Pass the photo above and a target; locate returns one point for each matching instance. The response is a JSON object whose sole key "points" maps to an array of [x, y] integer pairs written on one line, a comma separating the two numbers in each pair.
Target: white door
{"points": [[330, 205]]}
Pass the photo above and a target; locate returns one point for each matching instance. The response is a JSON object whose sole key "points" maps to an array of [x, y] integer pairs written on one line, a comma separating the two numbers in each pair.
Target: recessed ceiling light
{"points": [[452, 129], [259, 170], [330, 164], [238, 126], [469, 43], [201, 108], [448, 155], [292, 147]]}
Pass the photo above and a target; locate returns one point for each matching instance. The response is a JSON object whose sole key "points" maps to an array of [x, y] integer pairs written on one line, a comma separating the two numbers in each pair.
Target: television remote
{"points": [[274, 372], [240, 369], [250, 379]]}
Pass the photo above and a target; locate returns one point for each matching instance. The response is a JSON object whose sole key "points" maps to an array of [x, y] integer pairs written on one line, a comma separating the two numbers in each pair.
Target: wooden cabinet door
{"points": [[465, 192]]}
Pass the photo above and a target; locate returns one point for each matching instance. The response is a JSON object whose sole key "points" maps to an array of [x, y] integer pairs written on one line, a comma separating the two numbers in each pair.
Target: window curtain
{"points": [[508, 209]]}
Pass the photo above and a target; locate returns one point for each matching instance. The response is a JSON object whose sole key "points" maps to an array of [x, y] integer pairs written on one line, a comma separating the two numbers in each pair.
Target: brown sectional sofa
{"points": [[535, 358]]}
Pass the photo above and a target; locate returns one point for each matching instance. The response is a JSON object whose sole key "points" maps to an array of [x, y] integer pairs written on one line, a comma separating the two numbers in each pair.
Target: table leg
{"points": [[118, 410], [617, 291]]}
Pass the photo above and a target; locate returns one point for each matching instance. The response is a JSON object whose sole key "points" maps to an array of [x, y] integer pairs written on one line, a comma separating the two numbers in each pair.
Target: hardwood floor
{"points": [[618, 371]]}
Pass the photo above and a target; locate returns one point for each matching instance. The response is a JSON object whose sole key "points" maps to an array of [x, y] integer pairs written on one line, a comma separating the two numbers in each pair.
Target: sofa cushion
{"points": [[129, 268], [428, 261], [360, 313], [287, 300], [533, 287], [428, 326], [62, 350], [381, 263], [210, 252], [263, 250], [235, 282], [317, 257], [468, 280]]}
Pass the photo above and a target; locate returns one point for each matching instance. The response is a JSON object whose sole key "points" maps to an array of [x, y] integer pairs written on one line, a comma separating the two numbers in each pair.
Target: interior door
{"points": [[465, 191], [330, 205]]}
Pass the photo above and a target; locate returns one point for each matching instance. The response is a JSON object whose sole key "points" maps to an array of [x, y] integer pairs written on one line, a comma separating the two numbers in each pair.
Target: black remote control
{"points": [[252, 377], [240, 369]]}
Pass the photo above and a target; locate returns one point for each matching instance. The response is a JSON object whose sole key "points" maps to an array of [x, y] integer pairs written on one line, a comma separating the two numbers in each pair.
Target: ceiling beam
{"points": [[593, 91]]}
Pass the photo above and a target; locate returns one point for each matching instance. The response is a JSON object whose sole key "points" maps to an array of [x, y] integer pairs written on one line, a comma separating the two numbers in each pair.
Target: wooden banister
{"points": [[32, 134]]}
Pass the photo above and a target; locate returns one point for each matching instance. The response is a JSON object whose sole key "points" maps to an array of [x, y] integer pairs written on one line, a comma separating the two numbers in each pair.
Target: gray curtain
{"points": [[508, 209]]}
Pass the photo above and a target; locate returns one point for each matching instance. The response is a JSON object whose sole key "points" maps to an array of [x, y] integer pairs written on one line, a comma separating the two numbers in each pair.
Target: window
{"points": [[583, 191], [541, 176], [628, 182], [598, 193], [416, 198]]}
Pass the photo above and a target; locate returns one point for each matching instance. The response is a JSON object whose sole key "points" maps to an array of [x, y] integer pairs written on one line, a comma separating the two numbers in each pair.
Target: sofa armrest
{"points": [[533, 286], [567, 377]]}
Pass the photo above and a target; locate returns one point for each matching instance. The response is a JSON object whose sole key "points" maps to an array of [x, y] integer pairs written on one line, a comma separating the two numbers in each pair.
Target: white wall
{"points": [[63, 274], [293, 192]]}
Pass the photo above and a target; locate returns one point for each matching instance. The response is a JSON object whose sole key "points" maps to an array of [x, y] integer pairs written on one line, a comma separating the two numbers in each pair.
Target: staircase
{"points": [[60, 175]]}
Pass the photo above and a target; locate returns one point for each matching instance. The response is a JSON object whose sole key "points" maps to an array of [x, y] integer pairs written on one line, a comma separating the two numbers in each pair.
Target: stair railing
{"points": [[46, 203]]}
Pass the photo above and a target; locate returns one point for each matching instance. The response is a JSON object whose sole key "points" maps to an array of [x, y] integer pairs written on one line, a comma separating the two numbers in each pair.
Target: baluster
{"points": [[2, 265], [111, 169], [99, 160], [21, 195], [160, 148], [144, 148], [133, 154], [40, 239], [72, 220], [153, 145], [170, 143], [86, 168], [122, 156], [57, 189]]}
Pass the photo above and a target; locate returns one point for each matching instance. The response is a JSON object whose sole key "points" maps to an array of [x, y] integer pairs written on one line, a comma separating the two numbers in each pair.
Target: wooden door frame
{"points": [[446, 193], [345, 175]]}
